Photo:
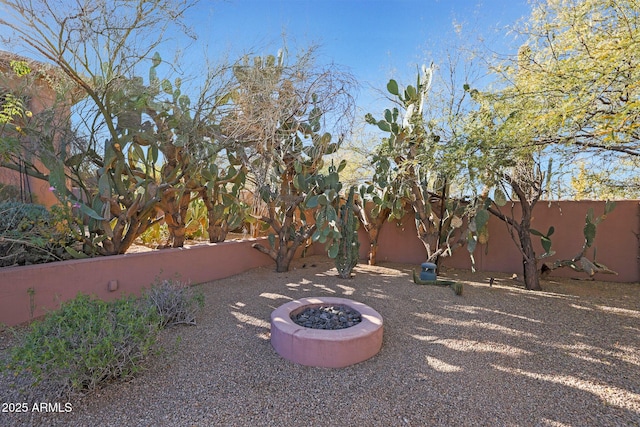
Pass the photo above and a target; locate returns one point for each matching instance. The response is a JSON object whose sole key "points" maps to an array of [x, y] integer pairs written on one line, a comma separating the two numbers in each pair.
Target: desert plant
{"points": [[348, 245], [280, 113], [457, 288], [29, 234], [579, 262], [9, 192], [175, 302], [388, 204], [422, 170], [87, 342]]}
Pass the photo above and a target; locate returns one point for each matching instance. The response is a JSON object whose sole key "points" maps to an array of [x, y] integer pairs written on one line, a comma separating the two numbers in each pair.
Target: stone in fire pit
{"points": [[330, 348], [327, 317]]}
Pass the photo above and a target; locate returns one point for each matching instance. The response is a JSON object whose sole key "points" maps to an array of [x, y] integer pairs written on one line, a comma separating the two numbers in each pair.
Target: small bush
{"points": [[88, 342], [9, 192], [175, 302], [30, 234], [24, 217]]}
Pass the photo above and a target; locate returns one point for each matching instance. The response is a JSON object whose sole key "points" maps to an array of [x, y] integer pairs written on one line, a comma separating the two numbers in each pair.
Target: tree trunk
{"points": [[217, 232], [285, 253], [529, 261], [282, 262], [178, 235], [373, 246], [175, 208]]}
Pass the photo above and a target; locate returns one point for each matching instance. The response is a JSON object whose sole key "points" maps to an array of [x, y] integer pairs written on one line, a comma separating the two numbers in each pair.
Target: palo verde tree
{"points": [[578, 73], [281, 111], [423, 172], [502, 159], [570, 91]]}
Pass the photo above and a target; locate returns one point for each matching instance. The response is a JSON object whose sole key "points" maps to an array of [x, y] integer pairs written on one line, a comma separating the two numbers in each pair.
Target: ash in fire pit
{"points": [[327, 317]]}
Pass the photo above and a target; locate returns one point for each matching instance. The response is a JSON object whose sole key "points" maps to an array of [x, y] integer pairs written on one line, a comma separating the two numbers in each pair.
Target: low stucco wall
{"points": [[616, 240], [60, 281]]}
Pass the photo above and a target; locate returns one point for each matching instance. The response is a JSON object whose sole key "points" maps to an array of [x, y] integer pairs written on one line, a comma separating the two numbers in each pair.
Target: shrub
{"points": [[175, 302], [155, 235], [88, 342], [24, 217], [30, 234], [9, 192]]}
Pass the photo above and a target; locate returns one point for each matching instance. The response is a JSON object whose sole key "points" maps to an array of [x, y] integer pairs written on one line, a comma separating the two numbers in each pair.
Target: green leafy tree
{"points": [[502, 160], [570, 91], [577, 75], [596, 182]]}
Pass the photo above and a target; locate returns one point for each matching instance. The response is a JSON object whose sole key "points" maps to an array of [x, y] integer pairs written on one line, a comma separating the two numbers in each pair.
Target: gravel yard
{"points": [[495, 356]]}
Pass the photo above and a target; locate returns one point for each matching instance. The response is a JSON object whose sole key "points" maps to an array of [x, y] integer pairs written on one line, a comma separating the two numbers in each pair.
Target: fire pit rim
{"points": [[343, 347]]}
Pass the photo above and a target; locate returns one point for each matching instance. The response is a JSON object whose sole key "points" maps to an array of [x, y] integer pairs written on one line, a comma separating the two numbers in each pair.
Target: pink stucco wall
{"points": [[616, 241], [56, 282]]}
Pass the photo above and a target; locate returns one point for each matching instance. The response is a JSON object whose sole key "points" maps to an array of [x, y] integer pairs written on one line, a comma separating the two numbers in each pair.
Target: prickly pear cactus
{"points": [[348, 245], [580, 262]]}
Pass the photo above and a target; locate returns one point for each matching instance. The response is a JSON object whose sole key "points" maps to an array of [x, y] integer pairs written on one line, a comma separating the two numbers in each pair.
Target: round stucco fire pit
{"points": [[334, 348]]}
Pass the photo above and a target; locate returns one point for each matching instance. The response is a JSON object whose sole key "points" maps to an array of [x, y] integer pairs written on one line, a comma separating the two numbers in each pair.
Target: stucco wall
{"points": [[60, 281], [42, 97], [616, 240]]}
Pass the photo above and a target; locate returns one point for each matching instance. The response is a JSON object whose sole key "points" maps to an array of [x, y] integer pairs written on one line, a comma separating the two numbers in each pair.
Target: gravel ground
{"points": [[495, 356]]}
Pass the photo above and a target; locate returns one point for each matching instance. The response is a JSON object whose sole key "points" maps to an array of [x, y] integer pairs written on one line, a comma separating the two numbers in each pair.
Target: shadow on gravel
{"points": [[496, 355]]}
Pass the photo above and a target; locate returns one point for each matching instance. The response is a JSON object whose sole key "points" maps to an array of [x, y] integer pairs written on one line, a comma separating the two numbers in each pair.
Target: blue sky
{"points": [[374, 39]]}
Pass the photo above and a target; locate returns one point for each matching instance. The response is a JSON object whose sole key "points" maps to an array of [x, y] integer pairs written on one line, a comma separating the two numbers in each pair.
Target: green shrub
{"points": [[30, 234], [24, 217], [9, 192], [88, 342], [175, 302]]}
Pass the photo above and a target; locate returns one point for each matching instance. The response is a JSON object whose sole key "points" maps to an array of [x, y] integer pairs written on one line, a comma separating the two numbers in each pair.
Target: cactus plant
{"points": [[221, 195], [388, 202], [422, 175], [580, 262], [457, 287], [348, 245], [159, 158], [280, 110]]}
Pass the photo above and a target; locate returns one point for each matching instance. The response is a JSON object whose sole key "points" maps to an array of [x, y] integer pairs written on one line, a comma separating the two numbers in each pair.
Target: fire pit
{"points": [[329, 348]]}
